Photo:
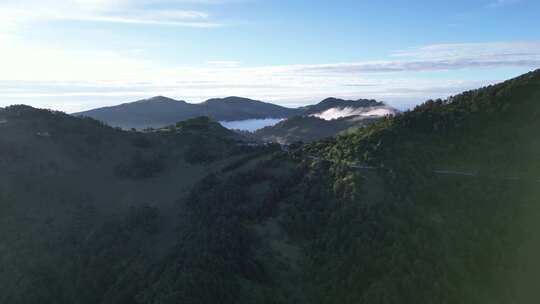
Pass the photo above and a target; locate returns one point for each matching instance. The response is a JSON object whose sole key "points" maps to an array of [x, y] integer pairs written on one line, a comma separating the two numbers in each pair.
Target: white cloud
{"points": [[336, 113], [442, 57], [458, 51], [143, 20], [223, 63], [24, 61], [16, 13]]}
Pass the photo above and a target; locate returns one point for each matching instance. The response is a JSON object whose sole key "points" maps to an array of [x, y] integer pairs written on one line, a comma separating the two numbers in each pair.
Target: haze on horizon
{"points": [[74, 55]]}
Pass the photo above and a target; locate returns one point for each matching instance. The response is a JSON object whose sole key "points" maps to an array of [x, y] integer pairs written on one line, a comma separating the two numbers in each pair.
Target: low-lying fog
{"points": [[336, 113]]}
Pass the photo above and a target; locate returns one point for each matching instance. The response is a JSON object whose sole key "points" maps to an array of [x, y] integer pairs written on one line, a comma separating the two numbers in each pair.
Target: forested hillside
{"points": [[308, 129], [325, 119], [449, 214], [89, 214], [436, 205]]}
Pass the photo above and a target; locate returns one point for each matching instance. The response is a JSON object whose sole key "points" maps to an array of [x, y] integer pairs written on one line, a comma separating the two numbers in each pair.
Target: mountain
{"points": [[161, 111], [435, 205], [308, 128], [332, 102], [238, 108], [328, 118], [154, 112]]}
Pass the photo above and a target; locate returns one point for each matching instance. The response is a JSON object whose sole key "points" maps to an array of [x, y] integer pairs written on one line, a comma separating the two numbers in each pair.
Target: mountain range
{"points": [[161, 111], [328, 118]]}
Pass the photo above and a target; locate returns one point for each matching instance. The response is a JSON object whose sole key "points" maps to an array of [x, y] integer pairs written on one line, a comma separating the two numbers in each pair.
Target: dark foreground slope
{"points": [[91, 214], [437, 205]]}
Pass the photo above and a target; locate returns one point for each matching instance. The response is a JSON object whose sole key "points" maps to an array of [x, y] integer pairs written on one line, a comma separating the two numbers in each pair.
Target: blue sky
{"points": [[73, 55]]}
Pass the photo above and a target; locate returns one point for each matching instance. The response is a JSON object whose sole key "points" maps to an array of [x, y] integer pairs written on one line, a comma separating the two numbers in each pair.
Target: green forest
{"points": [[439, 204]]}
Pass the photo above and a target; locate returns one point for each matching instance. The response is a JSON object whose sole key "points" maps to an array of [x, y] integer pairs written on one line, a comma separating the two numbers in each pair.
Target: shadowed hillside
{"points": [[308, 129], [88, 211], [328, 118], [447, 214]]}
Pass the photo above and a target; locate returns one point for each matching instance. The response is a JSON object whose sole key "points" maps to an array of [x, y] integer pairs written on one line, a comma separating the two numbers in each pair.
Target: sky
{"points": [[74, 55]]}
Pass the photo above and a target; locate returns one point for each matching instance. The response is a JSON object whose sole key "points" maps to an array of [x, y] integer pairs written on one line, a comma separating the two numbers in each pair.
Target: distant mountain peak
{"points": [[236, 98], [331, 100], [333, 104], [160, 98], [230, 99], [364, 102]]}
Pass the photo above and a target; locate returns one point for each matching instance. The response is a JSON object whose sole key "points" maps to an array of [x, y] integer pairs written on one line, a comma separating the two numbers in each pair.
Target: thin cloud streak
{"points": [[15, 14], [123, 20], [418, 66], [444, 57], [500, 3], [472, 50], [223, 64]]}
